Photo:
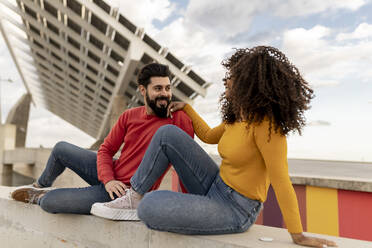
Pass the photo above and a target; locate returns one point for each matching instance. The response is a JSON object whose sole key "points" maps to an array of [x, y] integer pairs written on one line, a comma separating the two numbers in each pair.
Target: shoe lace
{"points": [[125, 198], [33, 199], [129, 192]]}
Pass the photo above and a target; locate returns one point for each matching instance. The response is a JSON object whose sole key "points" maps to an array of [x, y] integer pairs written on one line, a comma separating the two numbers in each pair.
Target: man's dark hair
{"points": [[152, 70], [265, 85]]}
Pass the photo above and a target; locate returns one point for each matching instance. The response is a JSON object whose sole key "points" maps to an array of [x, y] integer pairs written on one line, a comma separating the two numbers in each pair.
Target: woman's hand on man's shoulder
{"points": [[174, 106]]}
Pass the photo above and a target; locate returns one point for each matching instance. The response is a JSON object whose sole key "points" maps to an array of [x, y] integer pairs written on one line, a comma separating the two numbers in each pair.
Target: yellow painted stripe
{"points": [[322, 210]]}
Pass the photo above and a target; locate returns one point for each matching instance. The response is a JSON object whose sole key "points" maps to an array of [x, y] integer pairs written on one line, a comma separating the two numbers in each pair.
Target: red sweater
{"points": [[135, 129]]}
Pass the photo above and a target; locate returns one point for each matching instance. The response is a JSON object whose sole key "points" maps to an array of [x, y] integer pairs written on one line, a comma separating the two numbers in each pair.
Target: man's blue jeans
{"points": [[211, 207], [72, 200]]}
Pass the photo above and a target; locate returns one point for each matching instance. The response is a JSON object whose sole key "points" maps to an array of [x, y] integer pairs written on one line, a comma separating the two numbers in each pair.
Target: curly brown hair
{"points": [[265, 85]]}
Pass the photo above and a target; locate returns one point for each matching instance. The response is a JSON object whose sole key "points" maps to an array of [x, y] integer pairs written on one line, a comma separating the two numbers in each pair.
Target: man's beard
{"points": [[163, 110]]}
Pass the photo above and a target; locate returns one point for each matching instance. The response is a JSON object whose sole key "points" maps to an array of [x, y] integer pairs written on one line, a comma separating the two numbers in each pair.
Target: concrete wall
{"points": [[324, 210], [23, 225], [344, 213], [7, 141], [31, 162], [18, 116]]}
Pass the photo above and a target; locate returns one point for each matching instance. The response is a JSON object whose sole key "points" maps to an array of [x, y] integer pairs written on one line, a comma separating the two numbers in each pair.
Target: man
{"points": [[108, 178]]}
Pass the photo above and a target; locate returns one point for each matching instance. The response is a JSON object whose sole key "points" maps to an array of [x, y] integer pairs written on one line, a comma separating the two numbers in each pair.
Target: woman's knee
{"points": [[170, 131], [144, 208], [167, 128], [150, 207]]}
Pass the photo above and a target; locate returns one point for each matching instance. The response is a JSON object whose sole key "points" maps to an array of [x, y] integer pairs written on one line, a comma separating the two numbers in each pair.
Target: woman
{"points": [[265, 99]]}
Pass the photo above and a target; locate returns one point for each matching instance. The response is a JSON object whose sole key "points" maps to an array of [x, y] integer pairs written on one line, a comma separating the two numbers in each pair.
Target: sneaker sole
{"points": [[114, 213]]}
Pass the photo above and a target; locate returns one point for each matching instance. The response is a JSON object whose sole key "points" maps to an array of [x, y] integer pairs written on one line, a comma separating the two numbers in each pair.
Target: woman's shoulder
{"points": [[267, 128]]}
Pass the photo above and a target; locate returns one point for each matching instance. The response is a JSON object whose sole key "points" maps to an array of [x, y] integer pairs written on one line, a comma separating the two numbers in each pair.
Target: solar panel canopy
{"points": [[75, 56]]}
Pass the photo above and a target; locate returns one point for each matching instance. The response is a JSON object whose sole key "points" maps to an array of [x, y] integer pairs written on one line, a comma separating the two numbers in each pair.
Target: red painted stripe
{"points": [[260, 220], [177, 185], [175, 181], [272, 215], [355, 214], [301, 198]]}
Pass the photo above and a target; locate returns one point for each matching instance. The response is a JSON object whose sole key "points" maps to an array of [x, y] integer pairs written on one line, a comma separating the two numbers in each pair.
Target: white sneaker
{"points": [[122, 208]]}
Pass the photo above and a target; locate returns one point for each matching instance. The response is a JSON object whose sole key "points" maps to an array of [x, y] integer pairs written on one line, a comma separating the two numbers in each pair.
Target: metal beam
{"points": [[14, 58], [67, 30], [70, 48]]}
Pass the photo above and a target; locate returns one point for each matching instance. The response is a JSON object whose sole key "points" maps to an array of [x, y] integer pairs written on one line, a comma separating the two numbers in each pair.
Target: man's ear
{"points": [[142, 90]]}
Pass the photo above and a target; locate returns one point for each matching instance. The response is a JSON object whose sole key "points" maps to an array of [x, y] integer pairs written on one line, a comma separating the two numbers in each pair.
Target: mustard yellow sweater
{"points": [[250, 162]]}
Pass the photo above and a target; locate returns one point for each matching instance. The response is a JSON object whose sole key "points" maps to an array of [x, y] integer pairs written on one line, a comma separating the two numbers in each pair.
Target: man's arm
{"points": [[183, 121], [106, 152]]}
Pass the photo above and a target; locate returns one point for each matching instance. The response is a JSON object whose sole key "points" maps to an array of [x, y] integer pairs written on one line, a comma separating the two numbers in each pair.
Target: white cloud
{"points": [[224, 17], [228, 18], [310, 38], [363, 31], [319, 82], [143, 12], [194, 47], [319, 123], [306, 7], [323, 59], [57, 130]]}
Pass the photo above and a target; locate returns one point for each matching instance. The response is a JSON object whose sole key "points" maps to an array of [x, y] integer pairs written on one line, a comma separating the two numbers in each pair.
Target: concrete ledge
{"points": [[24, 155], [345, 175], [346, 183], [23, 225]]}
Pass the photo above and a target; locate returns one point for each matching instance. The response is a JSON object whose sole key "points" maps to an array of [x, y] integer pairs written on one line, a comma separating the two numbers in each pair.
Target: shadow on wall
{"points": [[12, 178]]}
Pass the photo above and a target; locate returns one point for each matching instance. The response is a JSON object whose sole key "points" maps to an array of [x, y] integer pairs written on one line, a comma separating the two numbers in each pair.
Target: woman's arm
{"points": [[201, 128], [301, 239], [274, 153]]}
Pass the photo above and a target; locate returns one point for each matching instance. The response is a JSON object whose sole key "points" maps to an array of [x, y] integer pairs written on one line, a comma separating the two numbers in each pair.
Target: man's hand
{"points": [[174, 106], [117, 187], [300, 239]]}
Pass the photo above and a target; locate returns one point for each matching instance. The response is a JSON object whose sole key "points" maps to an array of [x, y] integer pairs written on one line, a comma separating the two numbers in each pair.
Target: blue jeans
{"points": [[212, 207], [71, 200]]}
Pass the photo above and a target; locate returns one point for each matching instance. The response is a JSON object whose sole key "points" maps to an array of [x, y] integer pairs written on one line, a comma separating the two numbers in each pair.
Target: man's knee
{"points": [[61, 147], [48, 204]]}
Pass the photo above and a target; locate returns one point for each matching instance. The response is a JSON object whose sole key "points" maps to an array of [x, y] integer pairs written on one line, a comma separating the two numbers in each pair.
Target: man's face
{"points": [[158, 95]]}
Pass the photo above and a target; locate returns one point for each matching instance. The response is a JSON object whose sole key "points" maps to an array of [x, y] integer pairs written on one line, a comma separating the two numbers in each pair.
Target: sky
{"points": [[330, 42]]}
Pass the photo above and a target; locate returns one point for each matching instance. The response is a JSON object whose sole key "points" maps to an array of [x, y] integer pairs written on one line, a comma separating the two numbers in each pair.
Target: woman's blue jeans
{"points": [[211, 207], [72, 200]]}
